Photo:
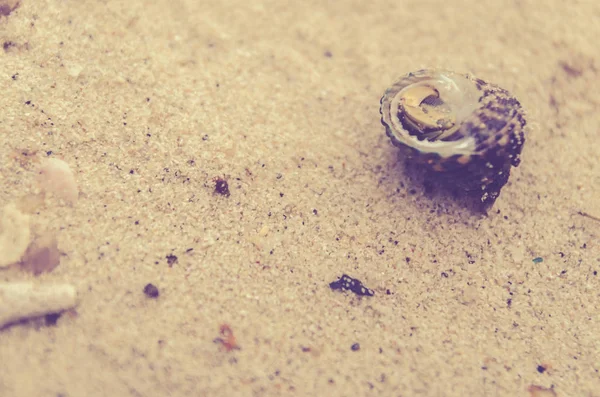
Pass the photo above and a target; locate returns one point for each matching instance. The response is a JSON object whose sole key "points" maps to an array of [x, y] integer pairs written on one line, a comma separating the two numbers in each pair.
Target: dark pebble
{"points": [[151, 291]]}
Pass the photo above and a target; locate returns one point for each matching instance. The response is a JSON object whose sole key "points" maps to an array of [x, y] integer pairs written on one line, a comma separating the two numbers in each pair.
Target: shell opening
{"points": [[434, 109]]}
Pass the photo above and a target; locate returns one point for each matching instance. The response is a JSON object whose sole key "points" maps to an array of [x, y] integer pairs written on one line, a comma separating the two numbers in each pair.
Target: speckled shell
{"points": [[462, 129]]}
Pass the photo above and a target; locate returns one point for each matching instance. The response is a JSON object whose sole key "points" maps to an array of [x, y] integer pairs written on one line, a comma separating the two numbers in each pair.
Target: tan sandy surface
{"points": [[150, 101]]}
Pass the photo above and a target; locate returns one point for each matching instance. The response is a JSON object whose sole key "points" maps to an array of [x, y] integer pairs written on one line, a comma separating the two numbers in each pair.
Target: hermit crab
{"points": [[466, 133]]}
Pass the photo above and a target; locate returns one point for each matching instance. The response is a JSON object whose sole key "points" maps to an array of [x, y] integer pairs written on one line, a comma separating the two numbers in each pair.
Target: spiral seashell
{"points": [[466, 131]]}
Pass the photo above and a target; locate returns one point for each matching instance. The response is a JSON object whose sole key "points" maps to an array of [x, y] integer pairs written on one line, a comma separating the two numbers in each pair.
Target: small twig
{"points": [[588, 215]]}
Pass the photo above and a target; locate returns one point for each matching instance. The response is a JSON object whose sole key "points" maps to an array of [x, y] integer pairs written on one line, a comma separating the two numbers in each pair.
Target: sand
{"points": [[155, 104]]}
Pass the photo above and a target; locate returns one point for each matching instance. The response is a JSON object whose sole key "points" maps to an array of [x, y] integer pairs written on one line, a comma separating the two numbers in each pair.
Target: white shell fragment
{"points": [[23, 300], [56, 177], [14, 235]]}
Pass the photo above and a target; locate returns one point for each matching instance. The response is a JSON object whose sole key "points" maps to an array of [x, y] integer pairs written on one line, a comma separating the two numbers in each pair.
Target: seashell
{"points": [[465, 131]]}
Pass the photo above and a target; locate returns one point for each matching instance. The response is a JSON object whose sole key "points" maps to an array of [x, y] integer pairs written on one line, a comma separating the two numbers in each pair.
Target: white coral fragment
{"points": [[23, 300], [14, 235]]}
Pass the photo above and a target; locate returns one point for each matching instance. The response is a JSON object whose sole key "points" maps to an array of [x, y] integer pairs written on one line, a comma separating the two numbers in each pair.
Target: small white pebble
{"points": [[74, 70], [56, 177], [264, 231]]}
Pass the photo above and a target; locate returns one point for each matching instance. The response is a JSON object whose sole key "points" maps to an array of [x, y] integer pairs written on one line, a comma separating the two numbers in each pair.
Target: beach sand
{"points": [[231, 154]]}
